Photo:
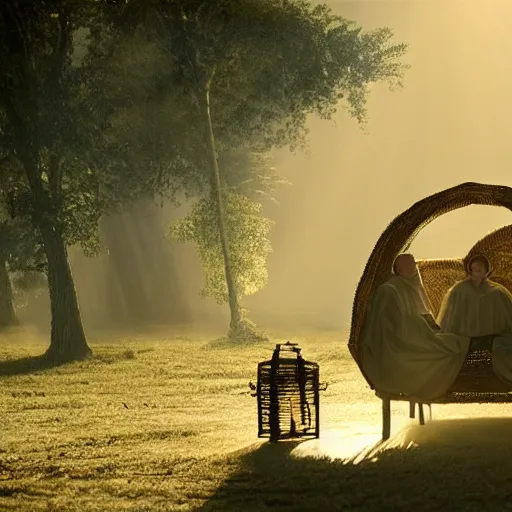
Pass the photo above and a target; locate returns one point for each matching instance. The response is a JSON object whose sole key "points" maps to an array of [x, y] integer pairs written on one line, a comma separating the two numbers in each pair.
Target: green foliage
{"points": [[20, 243], [21, 249], [248, 237], [269, 64], [251, 173], [265, 66], [20, 246], [103, 101], [46, 119], [110, 105], [151, 144], [274, 63], [66, 118]]}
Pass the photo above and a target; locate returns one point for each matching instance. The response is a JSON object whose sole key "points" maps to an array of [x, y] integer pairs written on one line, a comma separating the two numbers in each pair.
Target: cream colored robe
{"points": [[486, 310], [401, 354]]}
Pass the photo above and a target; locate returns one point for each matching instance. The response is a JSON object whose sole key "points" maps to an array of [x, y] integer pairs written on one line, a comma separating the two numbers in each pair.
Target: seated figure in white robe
{"points": [[402, 352], [480, 308]]}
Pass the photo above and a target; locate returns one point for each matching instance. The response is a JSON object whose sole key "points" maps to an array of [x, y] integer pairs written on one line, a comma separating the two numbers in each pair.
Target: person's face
{"points": [[478, 269], [406, 266]]}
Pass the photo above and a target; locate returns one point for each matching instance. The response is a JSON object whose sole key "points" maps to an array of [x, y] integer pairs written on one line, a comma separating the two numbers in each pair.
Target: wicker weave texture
{"points": [[438, 275]]}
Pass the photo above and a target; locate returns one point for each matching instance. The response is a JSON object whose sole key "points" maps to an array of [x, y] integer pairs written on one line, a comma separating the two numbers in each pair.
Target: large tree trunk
{"points": [[216, 191], [8, 316], [68, 341]]}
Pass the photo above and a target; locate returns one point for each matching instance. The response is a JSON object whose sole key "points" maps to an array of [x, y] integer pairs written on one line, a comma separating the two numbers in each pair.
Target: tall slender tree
{"points": [[255, 69]]}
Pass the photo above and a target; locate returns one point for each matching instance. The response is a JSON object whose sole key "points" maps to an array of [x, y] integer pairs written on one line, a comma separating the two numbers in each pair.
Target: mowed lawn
{"points": [[166, 423]]}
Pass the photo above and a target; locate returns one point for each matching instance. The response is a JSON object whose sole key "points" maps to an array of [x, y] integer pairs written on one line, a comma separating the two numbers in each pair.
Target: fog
{"points": [[449, 124]]}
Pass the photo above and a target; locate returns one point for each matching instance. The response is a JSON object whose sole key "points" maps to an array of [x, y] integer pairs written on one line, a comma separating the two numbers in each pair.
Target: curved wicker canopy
{"points": [[438, 275]]}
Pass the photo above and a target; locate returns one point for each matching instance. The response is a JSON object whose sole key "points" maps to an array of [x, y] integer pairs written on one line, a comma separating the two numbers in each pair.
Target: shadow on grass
{"points": [[453, 465], [25, 365]]}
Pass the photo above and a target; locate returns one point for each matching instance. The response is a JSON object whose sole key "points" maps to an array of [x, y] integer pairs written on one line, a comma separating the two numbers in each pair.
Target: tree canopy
{"points": [[268, 64], [248, 235], [254, 71], [104, 101]]}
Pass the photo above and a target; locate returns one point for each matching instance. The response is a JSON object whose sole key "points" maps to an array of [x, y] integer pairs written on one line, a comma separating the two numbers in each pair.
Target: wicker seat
{"points": [[476, 382]]}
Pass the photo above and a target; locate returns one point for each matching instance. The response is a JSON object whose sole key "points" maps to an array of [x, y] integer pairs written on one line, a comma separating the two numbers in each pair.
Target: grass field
{"points": [[163, 423]]}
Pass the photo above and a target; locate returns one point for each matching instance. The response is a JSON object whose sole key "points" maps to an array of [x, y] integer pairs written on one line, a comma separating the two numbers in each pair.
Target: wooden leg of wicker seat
{"points": [[386, 418], [412, 410], [429, 412], [421, 414]]}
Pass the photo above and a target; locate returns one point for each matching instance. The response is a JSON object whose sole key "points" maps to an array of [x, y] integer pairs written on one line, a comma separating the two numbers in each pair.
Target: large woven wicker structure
{"points": [[476, 381]]}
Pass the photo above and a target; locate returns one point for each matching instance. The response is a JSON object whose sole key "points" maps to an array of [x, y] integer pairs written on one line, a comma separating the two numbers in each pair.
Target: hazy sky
{"points": [[450, 123]]}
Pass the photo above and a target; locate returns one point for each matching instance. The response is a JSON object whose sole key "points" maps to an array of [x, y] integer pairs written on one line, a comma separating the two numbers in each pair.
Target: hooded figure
{"points": [[479, 307], [402, 352]]}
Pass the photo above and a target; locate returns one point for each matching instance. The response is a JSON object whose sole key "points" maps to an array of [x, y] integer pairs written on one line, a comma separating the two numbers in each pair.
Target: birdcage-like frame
{"points": [[288, 394]]}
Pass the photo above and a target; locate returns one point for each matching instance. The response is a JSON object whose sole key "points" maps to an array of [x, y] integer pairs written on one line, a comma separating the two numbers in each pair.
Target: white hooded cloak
{"points": [[401, 353], [473, 311]]}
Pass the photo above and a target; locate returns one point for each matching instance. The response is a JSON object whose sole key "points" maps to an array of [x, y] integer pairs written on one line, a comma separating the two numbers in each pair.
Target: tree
{"points": [[21, 256], [8, 316], [250, 180], [153, 149], [40, 101], [251, 173], [81, 134], [255, 70], [54, 122], [247, 232]]}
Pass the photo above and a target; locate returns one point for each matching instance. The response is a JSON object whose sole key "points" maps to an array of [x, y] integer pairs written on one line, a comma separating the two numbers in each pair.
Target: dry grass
{"points": [[169, 425]]}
